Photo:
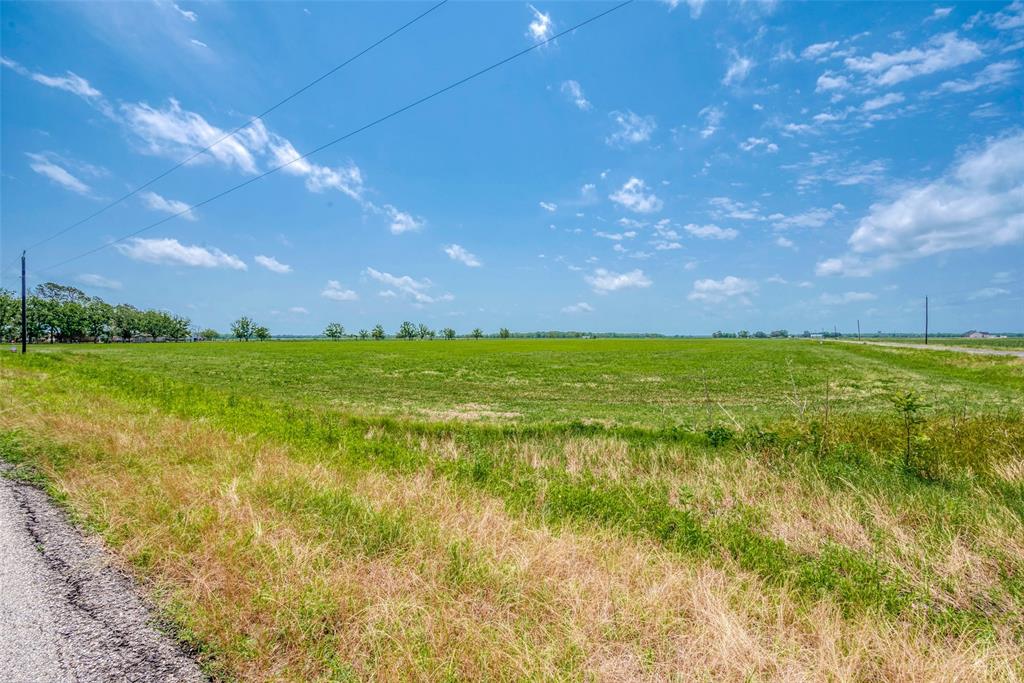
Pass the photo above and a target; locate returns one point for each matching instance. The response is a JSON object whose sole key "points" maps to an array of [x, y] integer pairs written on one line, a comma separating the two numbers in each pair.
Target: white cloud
{"points": [[847, 298], [198, 43], [752, 144], [994, 74], [1010, 17], [273, 265], [717, 291], [988, 293], [335, 292], [44, 165], [299, 310], [711, 232], [943, 51], [549, 206], [71, 82], [174, 132], [171, 252], [819, 49], [171, 206], [885, 100], [186, 14], [616, 236], [581, 307], [784, 242], [812, 218], [457, 253], [541, 27], [633, 128], [712, 117], [93, 280], [345, 179], [401, 221], [415, 289], [574, 92], [979, 203], [696, 6], [631, 196], [829, 81], [739, 69], [939, 13], [604, 281], [729, 208]]}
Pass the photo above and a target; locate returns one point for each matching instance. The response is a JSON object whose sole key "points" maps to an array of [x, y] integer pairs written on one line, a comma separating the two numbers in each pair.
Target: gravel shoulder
{"points": [[67, 614], [975, 350]]}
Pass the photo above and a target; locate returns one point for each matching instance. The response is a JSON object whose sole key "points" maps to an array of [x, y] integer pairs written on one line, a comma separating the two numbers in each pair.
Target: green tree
{"points": [[504, 333], [243, 328], [378, 332], [98, 319], [406, 330], [743, 334], [334, 331], [209, 334], [423, 331], [125, 321], [477, 333], [261, 332], [908, 405], [448, 333], [10, 315], [364, 334]]}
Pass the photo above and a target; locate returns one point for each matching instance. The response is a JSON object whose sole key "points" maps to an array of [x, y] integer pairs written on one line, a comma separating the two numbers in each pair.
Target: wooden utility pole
{"points": [[858, 330], [24, 324], [926, 320]]}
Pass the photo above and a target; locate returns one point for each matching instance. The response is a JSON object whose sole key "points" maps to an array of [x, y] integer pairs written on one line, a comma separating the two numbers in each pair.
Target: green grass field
{"points": [[1009, 343], [534, 509]]}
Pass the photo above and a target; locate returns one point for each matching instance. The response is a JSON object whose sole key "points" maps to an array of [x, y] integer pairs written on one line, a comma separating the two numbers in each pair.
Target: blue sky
{"points": [[673, 167]]}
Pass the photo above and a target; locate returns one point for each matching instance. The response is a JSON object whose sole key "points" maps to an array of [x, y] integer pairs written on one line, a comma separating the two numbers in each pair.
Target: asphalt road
{"points": [[65, 613]]}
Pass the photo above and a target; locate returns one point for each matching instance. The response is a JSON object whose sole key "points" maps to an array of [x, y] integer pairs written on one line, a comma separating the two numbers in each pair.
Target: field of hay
{"points": [[548, 509]]}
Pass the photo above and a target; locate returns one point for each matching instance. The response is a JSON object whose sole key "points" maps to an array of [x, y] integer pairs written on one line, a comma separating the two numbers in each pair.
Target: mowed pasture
{"points": [[548, 509]]}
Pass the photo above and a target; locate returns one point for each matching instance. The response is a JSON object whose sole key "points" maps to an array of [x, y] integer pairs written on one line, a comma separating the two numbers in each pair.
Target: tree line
{"points": [[406, 330], [61, 313]]}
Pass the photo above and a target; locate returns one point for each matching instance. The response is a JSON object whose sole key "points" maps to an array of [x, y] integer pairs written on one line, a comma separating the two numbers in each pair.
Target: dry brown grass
{"points": [[467, 590]]}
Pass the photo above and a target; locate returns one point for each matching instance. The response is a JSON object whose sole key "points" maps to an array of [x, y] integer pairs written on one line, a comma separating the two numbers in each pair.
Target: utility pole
{"points": [[24, 325], [926, 321], [858, 330]]}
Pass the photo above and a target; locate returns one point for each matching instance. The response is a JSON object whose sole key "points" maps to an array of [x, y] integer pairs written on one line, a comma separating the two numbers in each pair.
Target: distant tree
{"points": [[779, 333], [504, 333], [261, 333], [743, 334], [10, 315], [448, 333], [153, 323], [378, 332], [125, 321], [423, 331], [209, 334], [364, 334], [406, 330], [806, 334], [52, 291], [334, 331], [760, 335], [477, 333], [243, 328], [431, 334], [98, 319]]}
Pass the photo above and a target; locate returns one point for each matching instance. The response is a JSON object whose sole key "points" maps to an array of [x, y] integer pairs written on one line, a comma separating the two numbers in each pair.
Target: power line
{"points": [[240, 128], [346, 136]]}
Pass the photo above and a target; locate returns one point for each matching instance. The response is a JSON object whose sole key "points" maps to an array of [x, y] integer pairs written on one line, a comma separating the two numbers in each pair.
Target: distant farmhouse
{"points": [[978, 334]]}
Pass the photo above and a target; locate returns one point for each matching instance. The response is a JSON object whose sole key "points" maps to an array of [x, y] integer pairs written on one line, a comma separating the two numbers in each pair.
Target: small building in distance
{"points": [[978, 334]]}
